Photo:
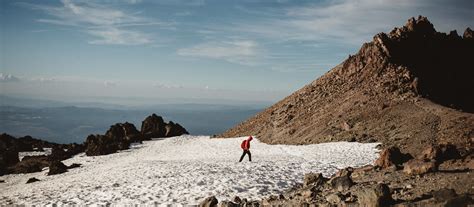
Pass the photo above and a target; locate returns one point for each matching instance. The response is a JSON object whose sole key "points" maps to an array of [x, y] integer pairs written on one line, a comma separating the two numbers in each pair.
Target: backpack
{"points": [[243, 144]]}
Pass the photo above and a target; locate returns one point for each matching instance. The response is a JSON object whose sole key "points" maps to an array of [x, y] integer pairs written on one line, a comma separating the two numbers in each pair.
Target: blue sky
{"points": [[141, 51]]}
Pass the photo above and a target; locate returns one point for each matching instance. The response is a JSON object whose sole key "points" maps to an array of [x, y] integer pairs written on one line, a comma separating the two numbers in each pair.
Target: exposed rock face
{"points": [[30, 164], [419, 167], [313, 179], [58, 153], [378, 195], [103, 145], [125, 131], [407, 88], [32, 180], [155, 127], [391, 157], [57, 167], [209, 202], [174, 129]]}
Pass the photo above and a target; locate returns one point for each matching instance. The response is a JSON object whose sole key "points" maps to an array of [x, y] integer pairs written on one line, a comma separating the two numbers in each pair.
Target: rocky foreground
{"points": [[438, 176]]}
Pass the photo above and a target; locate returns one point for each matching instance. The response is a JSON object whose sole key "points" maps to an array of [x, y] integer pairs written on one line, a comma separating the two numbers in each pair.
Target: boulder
{"points": [[8, 153], [443, 194], [468, 34], [153, 126], [174, 129], [74, 149], [341, 183], [57, 167], [449, 197], [333, 198], [440, 153], [126, 131], [390, 157], [236, 199], [73, 165], [58, 153], [103, 145], [378, 195], [209, 202], [30, 164], [32, 180], [419, 167], [228, 204], [313, 179]]}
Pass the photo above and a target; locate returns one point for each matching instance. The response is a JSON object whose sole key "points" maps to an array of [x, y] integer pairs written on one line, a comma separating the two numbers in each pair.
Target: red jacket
{"points": [[246, 143]]}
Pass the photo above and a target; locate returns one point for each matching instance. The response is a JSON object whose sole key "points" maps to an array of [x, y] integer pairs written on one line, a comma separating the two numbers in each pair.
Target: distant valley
{"points": [[66, 124]]}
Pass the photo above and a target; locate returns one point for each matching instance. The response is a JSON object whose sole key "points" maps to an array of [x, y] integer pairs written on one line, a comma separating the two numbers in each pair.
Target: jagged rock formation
{"points": [[155, 127], [125, 131], [120, 135], [409, 88], [103, 145]]}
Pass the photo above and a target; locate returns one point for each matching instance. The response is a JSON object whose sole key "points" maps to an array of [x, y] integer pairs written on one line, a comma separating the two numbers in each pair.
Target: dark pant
{"points": [[243, 155]]}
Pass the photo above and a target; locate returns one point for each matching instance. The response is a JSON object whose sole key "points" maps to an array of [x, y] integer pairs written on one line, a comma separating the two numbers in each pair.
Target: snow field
{"points": [[184, 170]]}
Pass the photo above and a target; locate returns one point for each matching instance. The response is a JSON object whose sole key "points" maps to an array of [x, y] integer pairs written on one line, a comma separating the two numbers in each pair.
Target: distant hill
{"points": [[410, 88]]}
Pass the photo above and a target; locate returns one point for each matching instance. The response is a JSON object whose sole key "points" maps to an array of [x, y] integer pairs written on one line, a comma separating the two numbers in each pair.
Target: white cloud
{"points": [[243, 52], [352, 21], [107, 24], [6, 78]]}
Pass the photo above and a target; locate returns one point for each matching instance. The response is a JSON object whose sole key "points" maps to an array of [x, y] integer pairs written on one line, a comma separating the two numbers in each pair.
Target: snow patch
{"points": [[184, 170]]}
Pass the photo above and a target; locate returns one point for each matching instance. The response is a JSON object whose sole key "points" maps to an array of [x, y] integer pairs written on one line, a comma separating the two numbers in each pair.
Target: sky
{"points": [[144, 51]]}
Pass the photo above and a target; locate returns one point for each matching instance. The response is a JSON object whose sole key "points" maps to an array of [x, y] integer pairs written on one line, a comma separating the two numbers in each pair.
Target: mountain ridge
{"points": [[388, 92]]}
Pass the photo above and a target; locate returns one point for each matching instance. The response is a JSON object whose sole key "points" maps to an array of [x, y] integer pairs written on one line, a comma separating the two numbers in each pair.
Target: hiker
{"points": [[246, 147]]}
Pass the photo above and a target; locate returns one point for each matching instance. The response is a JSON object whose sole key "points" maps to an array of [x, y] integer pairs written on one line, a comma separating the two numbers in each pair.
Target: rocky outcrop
{"points": [[407, 88], [379, 195], [126, 131], [32, 180], [120, 135], [30, 164], [103, 145], [57, 167], [391, 157], [155, 127], [209, 202]]}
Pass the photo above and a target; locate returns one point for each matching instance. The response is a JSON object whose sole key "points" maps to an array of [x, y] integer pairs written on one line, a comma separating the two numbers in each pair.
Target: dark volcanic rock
{"points": [[103, 145], [30, 164], [73, 165], [314, 179], [57, 167], [125, 131], [209, 202], [378, 195], [74, 149], [174, 129], [8, 153], [419, 167], [341, 183], [58, 153], [153, 126], [32, 180], [390, 157]]}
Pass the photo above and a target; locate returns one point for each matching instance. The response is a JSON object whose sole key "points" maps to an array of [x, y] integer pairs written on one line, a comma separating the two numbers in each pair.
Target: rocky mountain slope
{"points": [[411, 87]]}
